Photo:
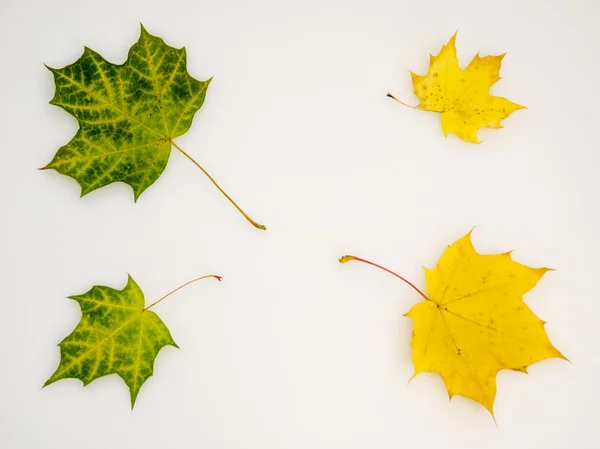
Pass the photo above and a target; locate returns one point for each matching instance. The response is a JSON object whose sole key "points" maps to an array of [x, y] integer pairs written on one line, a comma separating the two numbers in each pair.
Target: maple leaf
{"points": [[462, 96], [117, 334], [128, 116], [474, 322]]}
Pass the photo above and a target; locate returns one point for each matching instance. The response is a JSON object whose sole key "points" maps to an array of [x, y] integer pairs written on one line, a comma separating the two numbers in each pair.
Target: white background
{"points": [[292, 349]]}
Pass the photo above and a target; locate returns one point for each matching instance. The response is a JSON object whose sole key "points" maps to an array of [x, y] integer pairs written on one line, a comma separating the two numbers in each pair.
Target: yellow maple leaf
{"points": [[474, 322], [462, 96]]}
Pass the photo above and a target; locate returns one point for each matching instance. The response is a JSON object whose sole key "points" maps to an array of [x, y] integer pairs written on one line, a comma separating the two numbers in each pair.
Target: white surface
{"points": [[294, 350]]}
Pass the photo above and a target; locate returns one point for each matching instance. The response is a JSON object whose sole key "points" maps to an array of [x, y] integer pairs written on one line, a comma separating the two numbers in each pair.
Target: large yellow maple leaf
{"points": [[474, 322], [462, 96]]}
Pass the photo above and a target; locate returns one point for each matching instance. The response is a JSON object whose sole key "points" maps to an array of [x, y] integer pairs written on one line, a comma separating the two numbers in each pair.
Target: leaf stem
{"points": [[345, 259], [181, 286], [255, 224], [402, 103]]}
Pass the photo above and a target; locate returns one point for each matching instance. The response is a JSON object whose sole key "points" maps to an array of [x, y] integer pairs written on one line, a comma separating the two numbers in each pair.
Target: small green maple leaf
{"points": [[128, 115], [117, 334]]}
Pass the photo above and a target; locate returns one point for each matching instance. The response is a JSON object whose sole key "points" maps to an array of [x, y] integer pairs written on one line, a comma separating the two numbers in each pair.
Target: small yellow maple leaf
{"points": [[462, 96], [474, 322]]}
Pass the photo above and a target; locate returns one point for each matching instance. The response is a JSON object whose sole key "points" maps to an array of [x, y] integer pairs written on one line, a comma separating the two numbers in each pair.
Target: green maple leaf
{"points": [[128, 115], [117, 334]]}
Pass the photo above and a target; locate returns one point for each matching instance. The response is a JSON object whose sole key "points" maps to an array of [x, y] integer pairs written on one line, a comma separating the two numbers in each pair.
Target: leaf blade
{"points": [[127, 114], [114, 336]]}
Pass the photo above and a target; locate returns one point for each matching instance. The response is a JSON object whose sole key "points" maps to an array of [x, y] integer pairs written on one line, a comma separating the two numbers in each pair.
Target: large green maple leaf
{"points": [[117, 334], [128, 115]]}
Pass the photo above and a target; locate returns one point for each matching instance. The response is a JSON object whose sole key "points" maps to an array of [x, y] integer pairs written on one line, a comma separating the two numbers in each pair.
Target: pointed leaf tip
{"points": [[453, 39]]}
